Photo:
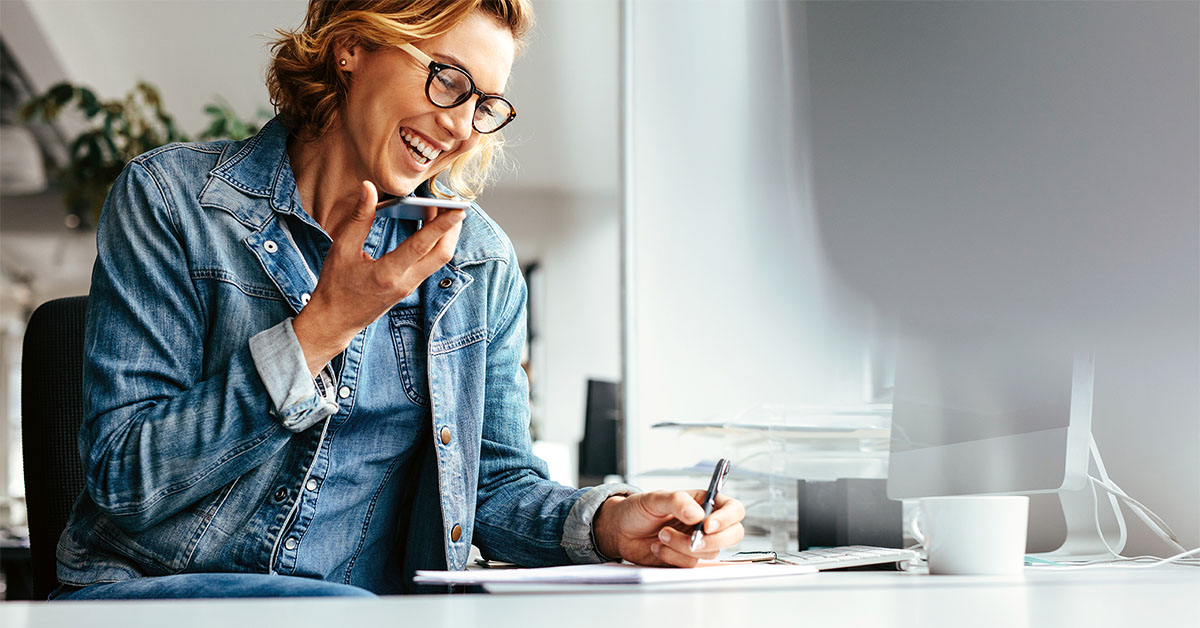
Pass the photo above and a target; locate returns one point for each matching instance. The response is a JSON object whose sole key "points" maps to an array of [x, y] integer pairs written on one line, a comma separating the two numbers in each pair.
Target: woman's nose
{"points": [[459, 120]]}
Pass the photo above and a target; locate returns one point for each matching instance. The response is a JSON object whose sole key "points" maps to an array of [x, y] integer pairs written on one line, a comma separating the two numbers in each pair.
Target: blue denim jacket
{"points": [[198, 405]]}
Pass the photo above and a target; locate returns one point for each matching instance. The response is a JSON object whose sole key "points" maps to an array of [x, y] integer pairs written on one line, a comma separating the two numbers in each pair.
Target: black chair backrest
{"points": [[51, 412]]}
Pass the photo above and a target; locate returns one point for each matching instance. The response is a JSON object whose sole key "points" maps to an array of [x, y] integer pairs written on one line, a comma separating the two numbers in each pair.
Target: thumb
{"points": [[359, 225]]}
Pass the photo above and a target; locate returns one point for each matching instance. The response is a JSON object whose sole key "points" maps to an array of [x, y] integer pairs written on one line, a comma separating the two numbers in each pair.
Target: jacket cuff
{"points": [[299, 400], [578, 538]]}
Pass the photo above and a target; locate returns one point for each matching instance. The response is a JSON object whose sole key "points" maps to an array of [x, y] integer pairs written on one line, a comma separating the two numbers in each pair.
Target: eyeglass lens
{"points": [[450, 87]]}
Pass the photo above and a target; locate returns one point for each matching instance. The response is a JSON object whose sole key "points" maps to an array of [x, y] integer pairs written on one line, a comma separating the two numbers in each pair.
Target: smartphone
{"points": [[413, 207]]}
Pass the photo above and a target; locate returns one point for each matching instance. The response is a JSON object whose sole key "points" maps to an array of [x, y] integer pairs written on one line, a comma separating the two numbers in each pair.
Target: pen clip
{"points": [[723, 472]]}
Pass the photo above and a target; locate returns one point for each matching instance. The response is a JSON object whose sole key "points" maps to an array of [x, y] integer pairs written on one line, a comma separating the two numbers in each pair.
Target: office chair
{"points": [[51, 411]]}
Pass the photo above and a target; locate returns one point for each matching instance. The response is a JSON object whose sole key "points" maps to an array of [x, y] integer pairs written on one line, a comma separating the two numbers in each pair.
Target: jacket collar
{"points": [[253, 181]]}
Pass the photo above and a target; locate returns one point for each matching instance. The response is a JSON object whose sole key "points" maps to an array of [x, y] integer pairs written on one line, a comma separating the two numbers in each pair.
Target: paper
{"points": [[613, 573]]}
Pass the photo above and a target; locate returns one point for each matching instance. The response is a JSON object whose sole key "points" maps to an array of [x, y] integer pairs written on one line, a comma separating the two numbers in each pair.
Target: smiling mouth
{"points": [[421, 151]]}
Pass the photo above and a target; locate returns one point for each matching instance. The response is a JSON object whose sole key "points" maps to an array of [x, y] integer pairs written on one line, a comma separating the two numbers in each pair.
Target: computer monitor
{"points": [[1000, 414]]}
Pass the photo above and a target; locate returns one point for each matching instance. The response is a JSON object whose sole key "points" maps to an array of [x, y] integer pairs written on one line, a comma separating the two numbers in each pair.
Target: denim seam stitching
{"points": [[450, 345], [124, 508], [367, 520], [249, 289], [402, 356]]}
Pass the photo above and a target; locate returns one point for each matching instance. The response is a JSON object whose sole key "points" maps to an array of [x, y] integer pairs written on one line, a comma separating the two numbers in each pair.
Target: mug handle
{"points": [[914, 527]]}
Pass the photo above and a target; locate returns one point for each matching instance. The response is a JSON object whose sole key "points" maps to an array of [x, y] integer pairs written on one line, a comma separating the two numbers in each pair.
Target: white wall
{"points": [[734, 302], [192, 50]]}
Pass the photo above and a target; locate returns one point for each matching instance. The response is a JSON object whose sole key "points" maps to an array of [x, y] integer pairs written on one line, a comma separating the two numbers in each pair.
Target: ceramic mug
{"points": [[973, 534]]}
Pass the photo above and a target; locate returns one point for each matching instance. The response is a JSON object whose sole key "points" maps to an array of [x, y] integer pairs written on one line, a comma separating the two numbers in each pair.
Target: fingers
{"points": [[436, 240], [726, 513], [674, 548], [681, 505]]}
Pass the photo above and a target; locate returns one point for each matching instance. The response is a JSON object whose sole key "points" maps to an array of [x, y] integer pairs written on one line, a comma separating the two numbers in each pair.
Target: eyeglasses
{"points": [[449, 86]]}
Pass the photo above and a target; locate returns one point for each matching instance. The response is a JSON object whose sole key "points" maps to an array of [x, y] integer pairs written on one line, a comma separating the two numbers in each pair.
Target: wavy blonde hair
{"points": [[308, 91]]}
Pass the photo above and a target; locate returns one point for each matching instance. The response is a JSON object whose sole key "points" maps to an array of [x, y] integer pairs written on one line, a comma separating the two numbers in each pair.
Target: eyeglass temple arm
{"points": [[417, 54]]}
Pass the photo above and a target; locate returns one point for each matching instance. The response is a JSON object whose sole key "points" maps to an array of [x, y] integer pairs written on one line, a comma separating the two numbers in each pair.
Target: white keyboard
{"points": [[849, 556]]}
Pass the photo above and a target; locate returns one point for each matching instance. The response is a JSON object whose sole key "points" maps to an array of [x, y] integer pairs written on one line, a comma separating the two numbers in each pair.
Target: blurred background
{"points": [[738, 218]]}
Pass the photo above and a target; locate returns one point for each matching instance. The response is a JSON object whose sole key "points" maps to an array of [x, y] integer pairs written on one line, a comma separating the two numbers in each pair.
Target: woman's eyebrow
{"points": [[452, 60]]}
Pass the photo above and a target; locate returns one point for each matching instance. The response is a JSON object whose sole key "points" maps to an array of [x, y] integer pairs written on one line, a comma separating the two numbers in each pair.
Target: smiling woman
{"points": [[310, 81], [286, 394]]}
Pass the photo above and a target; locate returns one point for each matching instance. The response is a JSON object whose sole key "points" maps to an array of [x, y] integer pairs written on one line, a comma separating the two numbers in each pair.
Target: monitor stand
{"points": [[1090, 536]]}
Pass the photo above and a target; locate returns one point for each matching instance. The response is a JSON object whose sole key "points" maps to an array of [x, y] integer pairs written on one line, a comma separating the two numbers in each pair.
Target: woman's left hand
{"points": [[655, 528]]}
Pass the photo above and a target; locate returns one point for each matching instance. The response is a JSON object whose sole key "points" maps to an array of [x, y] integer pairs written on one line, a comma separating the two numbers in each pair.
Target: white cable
{"points": [[1118, 565], [1153, 521], [1096, 514]]}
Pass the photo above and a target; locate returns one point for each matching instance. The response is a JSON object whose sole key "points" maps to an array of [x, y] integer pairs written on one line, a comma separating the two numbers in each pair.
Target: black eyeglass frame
{"points": [[436, 67]]}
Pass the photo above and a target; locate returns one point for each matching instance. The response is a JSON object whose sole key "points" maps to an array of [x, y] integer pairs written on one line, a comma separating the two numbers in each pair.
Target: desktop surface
{"points": [[1091, 598]]}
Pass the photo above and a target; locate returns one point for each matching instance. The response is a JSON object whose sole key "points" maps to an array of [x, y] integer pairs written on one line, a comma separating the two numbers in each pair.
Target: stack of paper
{"points": [[612, 573]]}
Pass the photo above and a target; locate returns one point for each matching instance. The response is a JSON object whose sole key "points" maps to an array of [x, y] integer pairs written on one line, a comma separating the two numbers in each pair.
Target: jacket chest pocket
{"points": [[408, 334]]}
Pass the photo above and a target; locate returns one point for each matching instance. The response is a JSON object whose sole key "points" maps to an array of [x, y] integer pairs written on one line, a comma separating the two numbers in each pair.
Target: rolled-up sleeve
{"points": [[579, 538], [299, 400]]}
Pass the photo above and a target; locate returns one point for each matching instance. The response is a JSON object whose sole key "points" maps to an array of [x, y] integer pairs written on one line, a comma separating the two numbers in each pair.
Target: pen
{"points": [[710, 498]]}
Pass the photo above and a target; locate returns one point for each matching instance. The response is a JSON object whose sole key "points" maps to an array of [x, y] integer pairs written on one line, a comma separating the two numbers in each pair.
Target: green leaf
{"points": [[62, 93], [88, 102]]}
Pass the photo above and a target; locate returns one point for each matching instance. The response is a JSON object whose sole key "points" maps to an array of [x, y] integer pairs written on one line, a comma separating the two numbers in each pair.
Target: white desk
{"points": [[1141, 598]]}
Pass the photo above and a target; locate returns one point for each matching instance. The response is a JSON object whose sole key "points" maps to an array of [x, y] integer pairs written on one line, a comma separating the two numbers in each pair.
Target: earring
{"points": [[342, 62]]}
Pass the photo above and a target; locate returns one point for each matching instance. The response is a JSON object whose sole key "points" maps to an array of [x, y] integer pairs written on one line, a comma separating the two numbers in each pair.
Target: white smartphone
{"points": [[413, 207]]}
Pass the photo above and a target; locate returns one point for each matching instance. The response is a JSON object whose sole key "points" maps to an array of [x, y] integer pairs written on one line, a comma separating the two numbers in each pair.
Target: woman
{"points": [[287, 395]]}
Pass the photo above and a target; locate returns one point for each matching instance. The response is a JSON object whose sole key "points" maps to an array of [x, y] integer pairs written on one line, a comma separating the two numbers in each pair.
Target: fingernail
{"points": [[663, 536], [362, 191], [710, 526], [654, 547]]}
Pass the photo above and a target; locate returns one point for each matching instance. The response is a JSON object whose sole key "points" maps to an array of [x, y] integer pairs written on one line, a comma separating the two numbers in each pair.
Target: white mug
{"points": [[973, 534]]}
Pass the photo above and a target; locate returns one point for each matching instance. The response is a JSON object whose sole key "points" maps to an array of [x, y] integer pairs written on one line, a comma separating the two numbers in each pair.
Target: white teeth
{"points": [[428, 152]]}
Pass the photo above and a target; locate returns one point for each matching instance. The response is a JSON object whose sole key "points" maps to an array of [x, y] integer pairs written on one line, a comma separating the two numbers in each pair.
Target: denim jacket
{"points": [[198, 405]]}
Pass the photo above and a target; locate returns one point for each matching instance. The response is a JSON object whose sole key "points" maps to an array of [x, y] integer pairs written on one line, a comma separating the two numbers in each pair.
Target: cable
{"points": [[1153, 521], [1116, 563]]}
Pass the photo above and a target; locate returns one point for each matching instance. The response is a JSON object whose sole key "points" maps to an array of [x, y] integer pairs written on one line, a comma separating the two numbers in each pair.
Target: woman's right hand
{"points": [[354, 290]]}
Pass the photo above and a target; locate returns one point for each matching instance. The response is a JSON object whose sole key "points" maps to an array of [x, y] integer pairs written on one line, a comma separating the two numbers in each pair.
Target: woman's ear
{"points": [[346, 55]]}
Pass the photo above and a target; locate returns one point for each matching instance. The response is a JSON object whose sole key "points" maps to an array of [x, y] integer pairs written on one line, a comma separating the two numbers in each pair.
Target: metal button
{"points": [[270, 246], [281, 494], [446, 283], [311, 484], [344, 392], [290, 544], [305, 298], [445, 434], [456, 533]]}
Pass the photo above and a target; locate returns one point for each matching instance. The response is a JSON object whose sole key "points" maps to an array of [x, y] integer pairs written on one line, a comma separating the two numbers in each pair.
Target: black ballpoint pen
{"points": [[710, 498]]}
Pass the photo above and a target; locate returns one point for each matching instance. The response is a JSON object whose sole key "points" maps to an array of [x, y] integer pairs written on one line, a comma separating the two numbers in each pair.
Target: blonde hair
{"points": [[308, 91]]}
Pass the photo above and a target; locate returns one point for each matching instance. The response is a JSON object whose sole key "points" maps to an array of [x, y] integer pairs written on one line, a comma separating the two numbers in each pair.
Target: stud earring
{"points": [[342, 62]]}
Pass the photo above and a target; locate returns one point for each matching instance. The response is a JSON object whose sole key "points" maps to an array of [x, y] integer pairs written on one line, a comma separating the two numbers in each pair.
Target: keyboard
{"points": [[850, 556]]}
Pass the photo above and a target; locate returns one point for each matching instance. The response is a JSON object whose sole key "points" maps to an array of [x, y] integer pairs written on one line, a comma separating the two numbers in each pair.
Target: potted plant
{"points": [[120, 131]]}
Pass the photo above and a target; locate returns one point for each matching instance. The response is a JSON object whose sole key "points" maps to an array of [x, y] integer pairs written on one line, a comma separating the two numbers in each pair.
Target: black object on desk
{"points": [[598, 450], [848, 511]]}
